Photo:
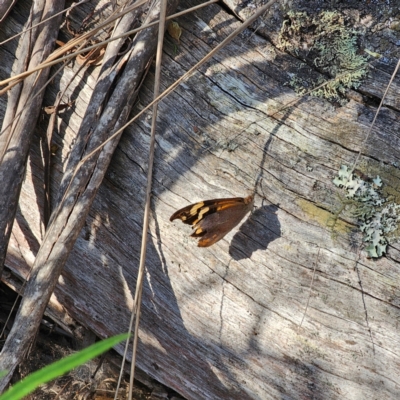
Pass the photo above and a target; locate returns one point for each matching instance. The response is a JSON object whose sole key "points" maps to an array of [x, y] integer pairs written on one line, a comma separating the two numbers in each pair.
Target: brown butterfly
{"points": [[213, 219]]}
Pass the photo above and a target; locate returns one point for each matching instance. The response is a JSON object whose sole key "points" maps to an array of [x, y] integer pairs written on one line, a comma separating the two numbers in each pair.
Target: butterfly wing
{"points": [[193, 212], [213, 219]]}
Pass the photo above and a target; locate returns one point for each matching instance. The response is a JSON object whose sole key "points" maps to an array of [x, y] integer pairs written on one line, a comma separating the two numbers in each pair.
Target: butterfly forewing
{"points": [[213, 219], [190, 213]]}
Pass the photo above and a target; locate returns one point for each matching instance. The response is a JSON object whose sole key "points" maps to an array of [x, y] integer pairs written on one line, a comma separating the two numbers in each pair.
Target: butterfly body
{"points": [[213, 219]]}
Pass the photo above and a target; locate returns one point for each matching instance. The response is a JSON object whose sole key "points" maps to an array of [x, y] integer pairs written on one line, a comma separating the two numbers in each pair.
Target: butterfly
{"points": [[213, 219]]}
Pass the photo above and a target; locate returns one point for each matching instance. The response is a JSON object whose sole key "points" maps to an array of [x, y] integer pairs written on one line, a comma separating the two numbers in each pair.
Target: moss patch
{"points": [[323, 217], [331, 45]]}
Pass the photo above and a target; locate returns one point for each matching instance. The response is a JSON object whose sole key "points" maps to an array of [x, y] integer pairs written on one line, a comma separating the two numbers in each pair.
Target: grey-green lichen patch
{"points": [[378, 218], [333, 48]]}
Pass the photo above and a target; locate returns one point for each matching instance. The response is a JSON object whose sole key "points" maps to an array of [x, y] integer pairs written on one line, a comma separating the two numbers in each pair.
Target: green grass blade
{"points": [[46, 374]]}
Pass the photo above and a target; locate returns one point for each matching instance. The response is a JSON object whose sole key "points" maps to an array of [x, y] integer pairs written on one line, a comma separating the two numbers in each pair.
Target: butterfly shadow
{"points": [[256, 233]]}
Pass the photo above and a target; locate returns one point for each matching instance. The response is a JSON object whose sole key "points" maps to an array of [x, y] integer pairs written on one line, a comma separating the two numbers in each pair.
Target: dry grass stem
{"points": [[183, 78], [53, 58], [139, 282]]}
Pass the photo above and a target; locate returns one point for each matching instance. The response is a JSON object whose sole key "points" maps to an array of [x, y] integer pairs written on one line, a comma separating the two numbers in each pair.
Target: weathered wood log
{"points": [[223, 322], [22, 112], [80, 185]]}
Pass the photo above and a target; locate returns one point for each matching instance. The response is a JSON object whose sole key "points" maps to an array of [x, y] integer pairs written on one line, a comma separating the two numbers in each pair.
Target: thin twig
{"points": [[185, 76], [138, 292], [351, 171], [42, 22], [28, 102], [170, 89], [291, 103], [139, 282], [375, 117], [70, 57], [52, 60]]}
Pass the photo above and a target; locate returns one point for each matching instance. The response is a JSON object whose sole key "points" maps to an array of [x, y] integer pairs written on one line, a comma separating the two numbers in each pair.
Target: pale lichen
{"points": [[377, 217]]}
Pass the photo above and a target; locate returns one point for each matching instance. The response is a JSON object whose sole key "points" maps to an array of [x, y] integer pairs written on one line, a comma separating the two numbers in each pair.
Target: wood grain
{"points": [[223, 322]]}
